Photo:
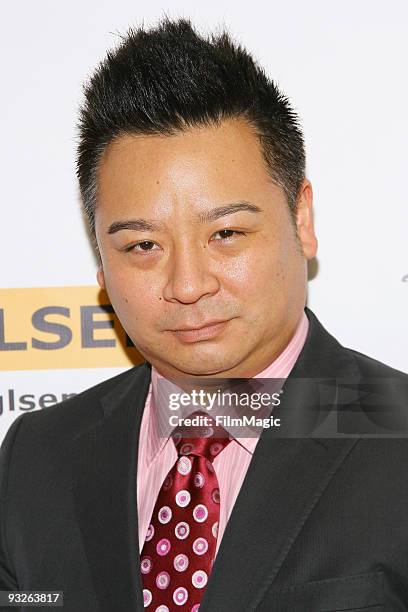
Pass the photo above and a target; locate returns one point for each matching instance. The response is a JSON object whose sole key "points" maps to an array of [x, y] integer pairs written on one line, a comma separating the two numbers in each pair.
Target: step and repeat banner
{"points": [[343, 65], [55, 341]]}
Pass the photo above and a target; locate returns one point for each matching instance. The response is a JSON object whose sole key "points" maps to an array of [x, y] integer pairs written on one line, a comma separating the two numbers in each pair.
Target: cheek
{"points": [[132, 299], [238, 272], [256, 272], [263, 282]]}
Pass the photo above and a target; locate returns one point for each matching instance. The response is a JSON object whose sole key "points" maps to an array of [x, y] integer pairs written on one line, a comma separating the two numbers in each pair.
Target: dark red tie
{"points": [[180, 544]]}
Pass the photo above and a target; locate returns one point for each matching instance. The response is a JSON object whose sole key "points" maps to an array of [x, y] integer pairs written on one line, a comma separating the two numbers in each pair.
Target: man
{"points": [[192, 171]]}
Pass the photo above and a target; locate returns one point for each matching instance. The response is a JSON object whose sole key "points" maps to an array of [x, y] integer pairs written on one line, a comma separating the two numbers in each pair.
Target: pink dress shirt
{"points": [[156, 457]]}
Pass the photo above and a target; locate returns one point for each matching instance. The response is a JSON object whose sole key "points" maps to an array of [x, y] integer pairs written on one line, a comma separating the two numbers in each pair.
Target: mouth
{"points": [[202, 332]]}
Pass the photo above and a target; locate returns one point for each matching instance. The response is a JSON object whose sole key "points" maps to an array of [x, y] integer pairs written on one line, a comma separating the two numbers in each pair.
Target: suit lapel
{"points": [[285, 478], [283, 484], [104, 485]]}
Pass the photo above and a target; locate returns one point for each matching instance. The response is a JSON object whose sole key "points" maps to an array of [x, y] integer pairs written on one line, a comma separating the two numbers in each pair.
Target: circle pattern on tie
{"points": [[182, 530], [164, 514], [184, 465], [147, 597], [216, 496], [180, 544], [150, 533], [200, 513], [199, 480], [163, 546], [215, 448], [186, 449], [163, 580], [180, 596], [181, 562], [199, 579], [183, 498], [200, 546], [146, 565]]}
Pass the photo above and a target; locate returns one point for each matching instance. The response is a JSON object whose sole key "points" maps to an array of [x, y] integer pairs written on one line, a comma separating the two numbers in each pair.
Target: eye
{"points": [[227, 234], [144, 246]]}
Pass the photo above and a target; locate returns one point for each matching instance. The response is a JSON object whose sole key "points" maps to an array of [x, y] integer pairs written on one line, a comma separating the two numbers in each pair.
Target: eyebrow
{"points": [[141, 225], [228, 209], [147, 225]]}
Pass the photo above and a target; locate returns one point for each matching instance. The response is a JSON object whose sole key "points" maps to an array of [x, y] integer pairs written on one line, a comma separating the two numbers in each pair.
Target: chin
{"points": [[206, 366]]}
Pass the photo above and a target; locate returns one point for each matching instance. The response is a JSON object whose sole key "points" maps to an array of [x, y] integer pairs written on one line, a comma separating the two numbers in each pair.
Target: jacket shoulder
{"points": [[370, 367], [72, 414]]}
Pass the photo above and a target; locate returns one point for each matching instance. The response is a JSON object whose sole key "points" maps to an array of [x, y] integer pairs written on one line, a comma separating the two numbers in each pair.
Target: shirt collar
{"points": [[279, 368]]}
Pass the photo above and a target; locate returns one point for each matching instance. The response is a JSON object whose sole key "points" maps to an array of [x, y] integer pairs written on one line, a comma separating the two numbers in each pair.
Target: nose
{"points": [[189, 275]]}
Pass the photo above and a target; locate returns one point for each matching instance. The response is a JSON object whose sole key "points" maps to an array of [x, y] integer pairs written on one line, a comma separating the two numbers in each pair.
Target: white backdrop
{"points": [[343, 64]]}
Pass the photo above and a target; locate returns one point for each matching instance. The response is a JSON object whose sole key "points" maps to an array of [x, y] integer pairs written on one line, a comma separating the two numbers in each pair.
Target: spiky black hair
{"points": [[168, 78]]}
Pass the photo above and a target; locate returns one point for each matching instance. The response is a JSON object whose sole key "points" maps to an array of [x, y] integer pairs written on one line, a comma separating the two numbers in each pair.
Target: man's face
{"points": [[199, 253]]}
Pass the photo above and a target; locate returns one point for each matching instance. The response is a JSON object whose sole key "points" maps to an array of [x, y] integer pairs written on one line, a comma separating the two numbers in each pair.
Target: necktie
{"points": [[180, 544]]}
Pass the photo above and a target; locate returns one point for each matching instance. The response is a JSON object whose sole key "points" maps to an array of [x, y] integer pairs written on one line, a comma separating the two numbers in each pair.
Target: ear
{"points": [[304, 220], [100, 277]]}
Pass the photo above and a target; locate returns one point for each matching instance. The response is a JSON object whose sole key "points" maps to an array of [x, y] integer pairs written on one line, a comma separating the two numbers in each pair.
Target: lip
{"points": [[203, 332]]}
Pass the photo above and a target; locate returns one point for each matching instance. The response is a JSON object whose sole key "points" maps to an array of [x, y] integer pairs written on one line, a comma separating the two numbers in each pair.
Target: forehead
{"points": [[211, 162]]}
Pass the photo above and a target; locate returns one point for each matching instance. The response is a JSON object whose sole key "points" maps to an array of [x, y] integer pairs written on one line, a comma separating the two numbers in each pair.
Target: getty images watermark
{"points": [[241, 407]]}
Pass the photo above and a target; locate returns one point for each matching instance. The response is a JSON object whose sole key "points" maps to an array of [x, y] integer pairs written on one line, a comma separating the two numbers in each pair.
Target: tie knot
{"points": [[203, 447], [205, 442]]}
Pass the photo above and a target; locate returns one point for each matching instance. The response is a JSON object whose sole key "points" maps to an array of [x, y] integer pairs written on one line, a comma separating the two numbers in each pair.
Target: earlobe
{"points": [[100, 277]]}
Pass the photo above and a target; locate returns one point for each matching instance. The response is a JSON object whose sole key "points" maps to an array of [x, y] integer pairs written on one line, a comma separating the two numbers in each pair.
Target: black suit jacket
{"points": [[320, 523]]}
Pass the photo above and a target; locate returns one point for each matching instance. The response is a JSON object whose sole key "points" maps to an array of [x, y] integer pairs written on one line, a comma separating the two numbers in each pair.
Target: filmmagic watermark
{"points": [[224, 421]]}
